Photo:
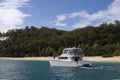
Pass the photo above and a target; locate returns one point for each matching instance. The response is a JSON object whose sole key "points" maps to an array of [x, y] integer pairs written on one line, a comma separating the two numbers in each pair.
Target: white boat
{"points": [[70, 57]]}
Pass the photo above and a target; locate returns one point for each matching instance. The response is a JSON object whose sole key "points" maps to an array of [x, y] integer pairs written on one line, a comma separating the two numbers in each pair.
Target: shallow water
{"points": [[40, 70]]}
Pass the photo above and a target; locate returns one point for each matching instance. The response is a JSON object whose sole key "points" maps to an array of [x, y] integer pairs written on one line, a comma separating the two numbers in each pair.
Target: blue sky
{"points": [[60, 14]]}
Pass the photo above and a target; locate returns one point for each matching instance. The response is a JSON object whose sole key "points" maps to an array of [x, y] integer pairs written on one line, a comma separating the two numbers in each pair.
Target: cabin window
{"points": [[63, 58], [65, 51], [75, 52], [71, 52]]}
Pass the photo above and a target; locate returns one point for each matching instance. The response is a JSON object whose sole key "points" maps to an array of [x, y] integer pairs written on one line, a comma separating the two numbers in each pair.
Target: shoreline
{"points": [[92, 59], [28, 58], [115, 59]]}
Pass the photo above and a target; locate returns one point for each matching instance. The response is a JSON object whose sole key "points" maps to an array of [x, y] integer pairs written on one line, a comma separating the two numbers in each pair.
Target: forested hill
{"points": [[31, 41]]}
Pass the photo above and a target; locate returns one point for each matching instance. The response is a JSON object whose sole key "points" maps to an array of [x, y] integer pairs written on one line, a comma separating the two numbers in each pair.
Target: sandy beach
{"points": [[29, 58], [101, 59], [93, 59]]}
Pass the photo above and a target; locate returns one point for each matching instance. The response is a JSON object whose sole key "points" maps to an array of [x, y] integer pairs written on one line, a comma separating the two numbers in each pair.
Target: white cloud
{"points": [[59, 20], [111, 14], [11, 17], [61, 17], [60, 24], [78, 14]]}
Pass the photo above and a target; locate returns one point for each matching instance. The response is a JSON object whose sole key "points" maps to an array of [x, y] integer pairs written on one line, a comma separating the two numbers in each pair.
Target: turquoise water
{"points": [[40, 70]]}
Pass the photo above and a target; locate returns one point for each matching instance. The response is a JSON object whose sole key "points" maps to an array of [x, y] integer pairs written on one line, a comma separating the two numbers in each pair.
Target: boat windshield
{"points": [[65, 51]]}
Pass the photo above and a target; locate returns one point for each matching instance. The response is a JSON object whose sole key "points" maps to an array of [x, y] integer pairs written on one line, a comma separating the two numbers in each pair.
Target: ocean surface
{"points": [[41, 70]]}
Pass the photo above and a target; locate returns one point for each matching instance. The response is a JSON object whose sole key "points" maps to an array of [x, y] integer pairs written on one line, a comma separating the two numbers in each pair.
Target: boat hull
{"points": [[69, 63]]}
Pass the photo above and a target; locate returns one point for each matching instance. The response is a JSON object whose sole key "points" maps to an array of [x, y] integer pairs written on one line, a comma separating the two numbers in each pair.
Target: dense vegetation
{"points": [[103, 40]]}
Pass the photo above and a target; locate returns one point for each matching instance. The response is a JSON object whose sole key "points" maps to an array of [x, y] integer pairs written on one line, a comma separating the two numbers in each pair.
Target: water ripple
{"points": [[40, 70]]}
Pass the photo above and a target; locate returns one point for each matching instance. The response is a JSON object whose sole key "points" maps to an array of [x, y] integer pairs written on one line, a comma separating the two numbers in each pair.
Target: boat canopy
{"points": [[73, 51]]}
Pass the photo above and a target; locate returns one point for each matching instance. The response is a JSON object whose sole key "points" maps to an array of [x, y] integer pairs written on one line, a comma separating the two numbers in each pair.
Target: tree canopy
{"points": [[32, 41]]}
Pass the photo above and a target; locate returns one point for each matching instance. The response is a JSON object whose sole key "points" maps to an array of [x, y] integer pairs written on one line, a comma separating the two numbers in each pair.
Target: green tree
{"points": [[116, 53], [97, 49], [60, 50], [49, 51]]}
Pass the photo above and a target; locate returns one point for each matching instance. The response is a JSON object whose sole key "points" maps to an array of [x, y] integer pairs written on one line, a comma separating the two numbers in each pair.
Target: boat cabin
{"points": [[74, 54]]}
